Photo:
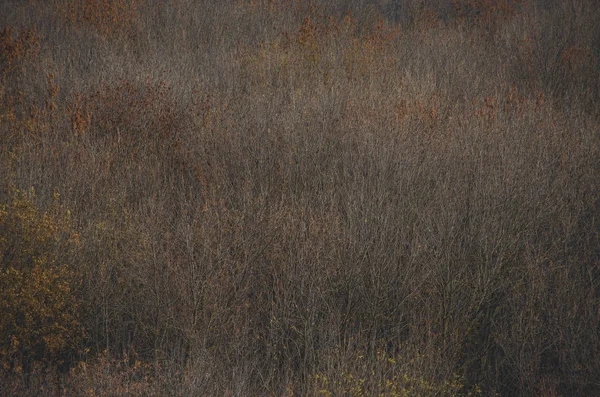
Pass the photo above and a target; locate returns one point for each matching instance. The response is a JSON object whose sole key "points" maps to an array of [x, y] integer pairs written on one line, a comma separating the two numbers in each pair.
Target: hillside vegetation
{"points": [[294, 197]]}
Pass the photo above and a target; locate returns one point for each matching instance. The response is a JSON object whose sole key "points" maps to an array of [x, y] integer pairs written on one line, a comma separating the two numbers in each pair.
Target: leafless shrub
{"points": [[284, 197]]}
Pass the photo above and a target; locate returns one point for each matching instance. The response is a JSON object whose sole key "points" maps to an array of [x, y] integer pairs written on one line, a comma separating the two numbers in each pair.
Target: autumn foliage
{"points": [[39, 296]]}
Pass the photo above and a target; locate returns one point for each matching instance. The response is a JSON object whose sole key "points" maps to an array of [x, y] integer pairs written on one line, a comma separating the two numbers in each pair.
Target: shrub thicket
{"points": [[300, 197], [39, 284]]}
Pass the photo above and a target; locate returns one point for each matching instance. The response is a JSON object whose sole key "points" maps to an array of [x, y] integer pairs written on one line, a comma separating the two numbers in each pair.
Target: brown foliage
{"points": [[107, 17]]}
